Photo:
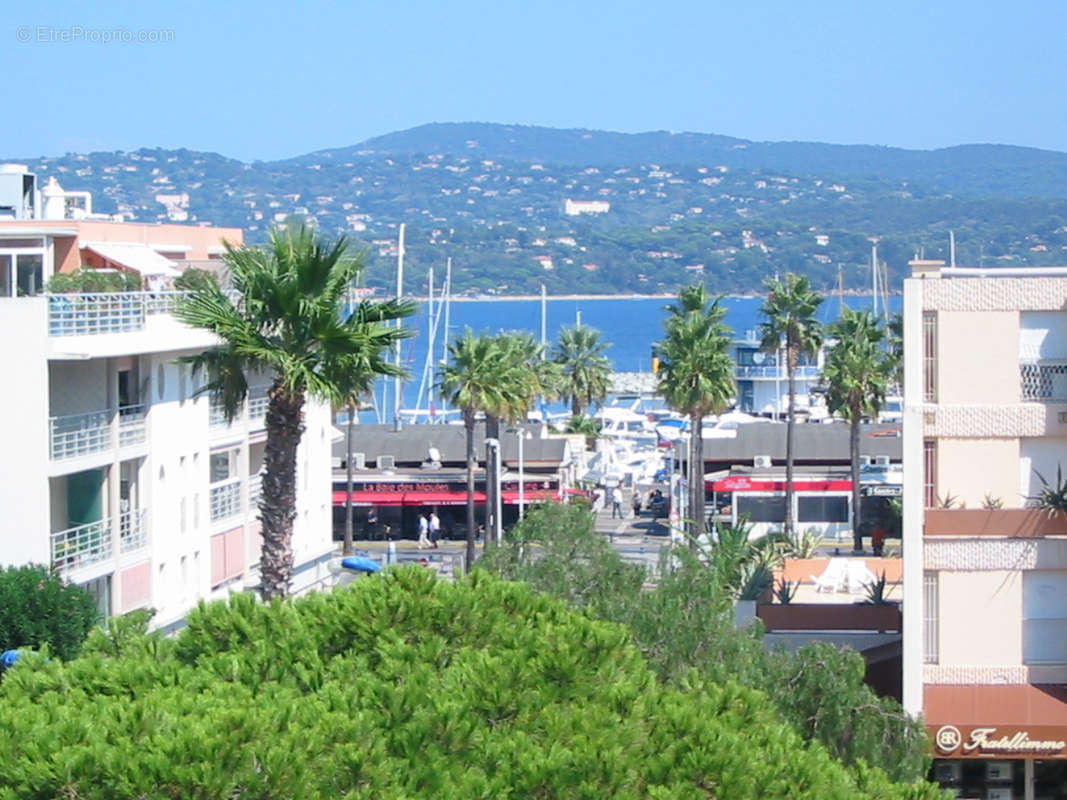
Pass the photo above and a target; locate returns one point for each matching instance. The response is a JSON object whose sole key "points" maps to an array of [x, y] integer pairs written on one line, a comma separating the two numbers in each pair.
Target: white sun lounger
{"points": [[833, 577]]}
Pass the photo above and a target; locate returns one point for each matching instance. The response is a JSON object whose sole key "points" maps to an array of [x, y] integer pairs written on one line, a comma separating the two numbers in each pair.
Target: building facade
{"points": [[116, 472], [985, 574]]}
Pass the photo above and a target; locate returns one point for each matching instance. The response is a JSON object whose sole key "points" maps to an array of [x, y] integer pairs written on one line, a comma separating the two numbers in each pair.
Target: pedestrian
{"points": [[598, 501], [637, 504], [371, 528], [616, 503], [424, 530], [435, 528]]}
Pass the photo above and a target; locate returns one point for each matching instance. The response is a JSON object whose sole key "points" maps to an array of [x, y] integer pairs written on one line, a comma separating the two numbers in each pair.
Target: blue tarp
{"points": [[361, 564]]}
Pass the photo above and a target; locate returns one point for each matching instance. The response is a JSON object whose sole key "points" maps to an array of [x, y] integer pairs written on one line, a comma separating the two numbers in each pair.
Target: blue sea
{"points": [[630, 325]]}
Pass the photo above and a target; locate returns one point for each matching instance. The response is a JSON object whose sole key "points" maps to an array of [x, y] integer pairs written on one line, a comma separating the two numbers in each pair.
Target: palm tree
{"points": [[473, 381], [288, 320], [791, 324], [696, 378], [585, 370], [858, 372]]}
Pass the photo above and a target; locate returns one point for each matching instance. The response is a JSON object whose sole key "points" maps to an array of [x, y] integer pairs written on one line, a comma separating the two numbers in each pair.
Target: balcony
{"points": [[81, 545], [258, 400], [1010, 523], [131, 425], [1043, 382], [91, 314], [76, 435], [226, 500], [772, 371], [255, 492], [133, 534]]}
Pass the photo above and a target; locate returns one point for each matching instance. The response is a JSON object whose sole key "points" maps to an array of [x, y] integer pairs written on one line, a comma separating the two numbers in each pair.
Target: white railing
{"points": [[226, 500], [255, 492], [216, 415], [773, 371], [258, 400], [131, 424], [79, 434], [94, 313], [1043, 381], [133, 534], [81, 545]]}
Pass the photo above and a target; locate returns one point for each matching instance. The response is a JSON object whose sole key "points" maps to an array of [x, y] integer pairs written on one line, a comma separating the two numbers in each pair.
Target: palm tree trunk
{"points": [[854, 455], [576, 406], [348, 481], [696, 479], [285, 426], [791, 370], [468, 423]]}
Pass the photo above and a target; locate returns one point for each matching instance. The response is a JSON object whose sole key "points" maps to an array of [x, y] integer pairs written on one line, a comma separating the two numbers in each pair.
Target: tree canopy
{"points": [[398, 686]]}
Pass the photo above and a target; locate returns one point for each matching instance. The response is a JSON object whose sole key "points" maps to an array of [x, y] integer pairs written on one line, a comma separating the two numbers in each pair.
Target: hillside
{"points": [[675, 207]]}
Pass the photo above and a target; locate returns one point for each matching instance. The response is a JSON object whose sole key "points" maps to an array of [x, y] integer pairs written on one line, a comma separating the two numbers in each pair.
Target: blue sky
{"points": [[268, 79]]}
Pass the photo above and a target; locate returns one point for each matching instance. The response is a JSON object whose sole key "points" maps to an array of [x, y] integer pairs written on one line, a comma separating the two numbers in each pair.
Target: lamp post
{"points": [[522, 483]]}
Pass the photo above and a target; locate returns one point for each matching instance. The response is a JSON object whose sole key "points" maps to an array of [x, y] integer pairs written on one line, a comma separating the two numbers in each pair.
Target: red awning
{"points": [[441, 498], [743, 483], [511, 497], [362, 498]]}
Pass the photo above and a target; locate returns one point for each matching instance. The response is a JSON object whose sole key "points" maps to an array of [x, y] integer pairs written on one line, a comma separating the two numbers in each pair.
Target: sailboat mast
{"points": [[448, 307], [874, 280], [544, 320], [399, 296]]}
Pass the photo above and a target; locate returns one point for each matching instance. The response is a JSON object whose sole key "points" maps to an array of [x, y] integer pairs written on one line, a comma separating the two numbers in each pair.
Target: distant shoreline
{"points": [[496, 298]]}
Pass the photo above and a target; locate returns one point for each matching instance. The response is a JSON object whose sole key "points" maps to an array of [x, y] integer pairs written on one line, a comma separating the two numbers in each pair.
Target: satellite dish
{"points": [[435, 455], [757, 357]]}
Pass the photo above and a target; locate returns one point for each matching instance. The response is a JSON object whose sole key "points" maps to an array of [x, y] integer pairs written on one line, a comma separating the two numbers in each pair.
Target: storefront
{"points": [[1001, 762], [397, 504]]}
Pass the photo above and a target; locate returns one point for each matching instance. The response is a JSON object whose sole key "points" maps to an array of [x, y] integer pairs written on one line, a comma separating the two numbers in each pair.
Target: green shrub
{"points": [[89, 280], [37, 608], [194, 278]]}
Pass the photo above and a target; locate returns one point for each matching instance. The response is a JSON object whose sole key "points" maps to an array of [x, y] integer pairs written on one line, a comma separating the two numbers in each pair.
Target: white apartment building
{"points": [[985, 608], [115, 472]]}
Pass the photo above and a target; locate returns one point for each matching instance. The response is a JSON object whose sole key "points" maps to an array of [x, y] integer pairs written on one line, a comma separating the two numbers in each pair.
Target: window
{"points": [[1045, 617], [822, 509], [761, 508], [929, 357], [930, 473], [930, 617]]}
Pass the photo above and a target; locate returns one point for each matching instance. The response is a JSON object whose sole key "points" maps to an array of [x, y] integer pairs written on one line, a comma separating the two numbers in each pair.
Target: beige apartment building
{"points": [[985, 574]]}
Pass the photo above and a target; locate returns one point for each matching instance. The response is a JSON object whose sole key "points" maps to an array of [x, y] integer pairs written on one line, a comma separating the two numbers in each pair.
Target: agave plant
{"points": [[785, 591], [876, 593], [992, 503], [1051, 497]]}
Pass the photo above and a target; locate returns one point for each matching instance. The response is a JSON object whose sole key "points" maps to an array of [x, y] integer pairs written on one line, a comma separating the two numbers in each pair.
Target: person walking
{"points": [[424, 530], [370, 530], [435, 528], [637, 504], [616, 503]]}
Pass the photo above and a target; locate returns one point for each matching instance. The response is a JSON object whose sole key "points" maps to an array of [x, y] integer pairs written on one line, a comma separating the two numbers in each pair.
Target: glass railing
{"points": [[773, 371], [133, 534], [81, 545], [131, 424], [79, 434], [95, 313], [226, 500]]}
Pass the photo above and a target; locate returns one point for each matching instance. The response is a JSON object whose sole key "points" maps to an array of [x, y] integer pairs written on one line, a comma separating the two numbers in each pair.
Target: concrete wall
{"points": [[978, 357], [980, 618], [24, 466], [971, 468]]}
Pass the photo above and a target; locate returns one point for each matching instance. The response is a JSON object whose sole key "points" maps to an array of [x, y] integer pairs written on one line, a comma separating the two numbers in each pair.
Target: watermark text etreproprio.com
{"points": [[54, 34]]}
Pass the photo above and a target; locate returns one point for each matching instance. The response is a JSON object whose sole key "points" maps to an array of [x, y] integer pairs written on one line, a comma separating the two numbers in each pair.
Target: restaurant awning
{"points": [[138, 257], [373, 498], [743, 483], [511, 497]]}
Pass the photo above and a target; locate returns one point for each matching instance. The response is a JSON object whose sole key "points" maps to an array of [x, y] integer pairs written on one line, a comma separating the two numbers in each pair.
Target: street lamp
{"points": [[522, 486]]}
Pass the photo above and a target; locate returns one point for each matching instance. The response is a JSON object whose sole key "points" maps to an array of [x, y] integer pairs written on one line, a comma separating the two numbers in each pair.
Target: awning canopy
{"points": [[744, 483], [138, 257], [372, 498], [511, 497]]}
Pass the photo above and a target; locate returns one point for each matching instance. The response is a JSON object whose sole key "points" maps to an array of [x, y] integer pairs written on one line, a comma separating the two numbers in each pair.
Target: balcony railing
{"points": [[258, 400], [216, 416], [1043, 382], [133, 535], [773, 371], [255, 492], [79, 434], [226, 500], [81, 545], [131, 424], [108, 312]]}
